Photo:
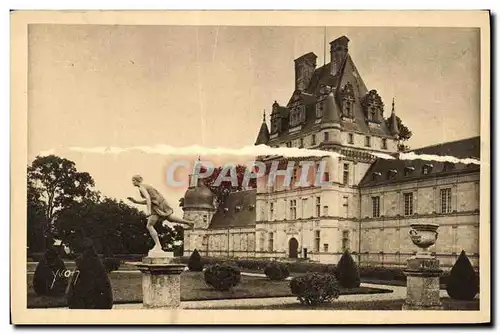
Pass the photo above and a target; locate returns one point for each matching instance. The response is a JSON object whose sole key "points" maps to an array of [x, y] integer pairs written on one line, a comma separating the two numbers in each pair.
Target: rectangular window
{"points": [[325, 211], [445, 200], [301, 142], [351, 138], [293, 209], [317, 241], [271, 242], [376, 206], [318, 206], [314, 139], [261, 241], [327, 138], [384, 143], [345, 240], [289, 144], [271, 211], [368, 141], [325, 248], [346, 174], [408, 198]]}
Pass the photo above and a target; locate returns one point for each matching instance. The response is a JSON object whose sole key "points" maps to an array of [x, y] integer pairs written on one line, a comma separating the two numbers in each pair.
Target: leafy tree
{"points": [[58, 184], [36, 224], [404, 132], [226, 187]]}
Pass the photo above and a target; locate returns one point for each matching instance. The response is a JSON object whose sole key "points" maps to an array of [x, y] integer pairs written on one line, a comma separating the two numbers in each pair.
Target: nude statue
{"points": [[157, 208]]}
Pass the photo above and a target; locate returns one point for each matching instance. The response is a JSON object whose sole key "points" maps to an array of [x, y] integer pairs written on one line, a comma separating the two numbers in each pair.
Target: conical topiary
{"points": [[90, 287], [463, 283], [50, 275], [194, 262], [347, 272]]}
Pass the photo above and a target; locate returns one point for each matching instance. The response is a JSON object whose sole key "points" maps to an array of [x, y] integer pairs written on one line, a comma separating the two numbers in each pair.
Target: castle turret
{"points": [[393, 122], [263, 137]]}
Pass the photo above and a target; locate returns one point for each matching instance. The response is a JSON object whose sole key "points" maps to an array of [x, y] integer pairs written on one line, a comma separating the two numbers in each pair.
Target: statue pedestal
{"points": [[161, 284], [422, 283]]}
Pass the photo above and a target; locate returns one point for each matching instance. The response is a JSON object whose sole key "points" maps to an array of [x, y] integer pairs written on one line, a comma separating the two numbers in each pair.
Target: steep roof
{"points": [[263, 136], [240, 211], [322, 76], [385, 171]]}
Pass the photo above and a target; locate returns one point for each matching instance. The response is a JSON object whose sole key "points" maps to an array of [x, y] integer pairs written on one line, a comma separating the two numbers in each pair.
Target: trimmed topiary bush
{"points": [[315, 288], [194, 262], [462, 283], [276, 271], [222, 277], [347, 272], [90, 287], [50, 275]]}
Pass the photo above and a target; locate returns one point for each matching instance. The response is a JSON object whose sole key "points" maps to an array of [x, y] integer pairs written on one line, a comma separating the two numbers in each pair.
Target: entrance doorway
{"points": [[293, 245]]}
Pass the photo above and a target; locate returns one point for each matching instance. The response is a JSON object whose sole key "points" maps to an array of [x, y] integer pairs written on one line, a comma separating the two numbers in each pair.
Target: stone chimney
{"points": [[304, 69], [338, 53]]}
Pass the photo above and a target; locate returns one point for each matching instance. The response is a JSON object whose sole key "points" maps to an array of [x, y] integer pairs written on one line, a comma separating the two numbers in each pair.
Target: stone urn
{"points": [[423, 235]]}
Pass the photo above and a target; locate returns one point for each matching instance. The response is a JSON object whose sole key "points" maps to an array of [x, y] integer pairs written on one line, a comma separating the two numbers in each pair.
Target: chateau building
{"points": [[367, 201]]}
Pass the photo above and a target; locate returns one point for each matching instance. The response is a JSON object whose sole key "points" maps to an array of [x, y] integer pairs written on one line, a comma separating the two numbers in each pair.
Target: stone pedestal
{"points": [[422, 284], [161, 286]]}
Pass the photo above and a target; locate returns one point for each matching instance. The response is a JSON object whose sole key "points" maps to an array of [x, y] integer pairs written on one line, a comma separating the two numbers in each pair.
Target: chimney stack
{"points": [[304, 69], [338, 53]]}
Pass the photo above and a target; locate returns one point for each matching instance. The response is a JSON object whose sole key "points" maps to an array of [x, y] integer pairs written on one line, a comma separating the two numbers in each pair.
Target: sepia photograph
{"points": [[206, 167]]}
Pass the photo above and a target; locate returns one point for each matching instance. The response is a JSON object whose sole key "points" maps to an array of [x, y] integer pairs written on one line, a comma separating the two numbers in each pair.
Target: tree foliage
{"points": [[58, 184], [404, 132]]}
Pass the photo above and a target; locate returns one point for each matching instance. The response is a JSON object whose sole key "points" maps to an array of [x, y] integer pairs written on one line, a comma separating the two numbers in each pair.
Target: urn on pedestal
{"points": [[422, 270]]}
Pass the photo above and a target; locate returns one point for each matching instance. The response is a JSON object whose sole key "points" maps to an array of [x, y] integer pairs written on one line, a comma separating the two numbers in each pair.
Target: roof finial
{"points": [[264, 116], [393, 105]]}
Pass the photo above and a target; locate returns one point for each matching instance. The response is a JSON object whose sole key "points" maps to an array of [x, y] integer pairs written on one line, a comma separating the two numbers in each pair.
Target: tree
{"points": [[404, 132], [226, 187], [36, 225], [58, 184]]}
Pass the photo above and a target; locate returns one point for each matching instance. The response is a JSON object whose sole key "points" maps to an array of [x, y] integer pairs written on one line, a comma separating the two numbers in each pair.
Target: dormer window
{"points": [[313, 139], [319, 109], [409, 170], [327, 138], [384, 143], [391, 174], [350, 138], [375, 176], [347, 96], [427, 169], [448, 166], [373, 106]]}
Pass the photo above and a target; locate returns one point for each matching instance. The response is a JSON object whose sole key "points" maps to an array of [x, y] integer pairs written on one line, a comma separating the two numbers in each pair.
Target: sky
{"points": [[123, 86]]}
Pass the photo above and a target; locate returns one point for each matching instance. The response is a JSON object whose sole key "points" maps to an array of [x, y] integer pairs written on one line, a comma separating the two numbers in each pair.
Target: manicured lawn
{"points": [[127, 288], [373, 305]]}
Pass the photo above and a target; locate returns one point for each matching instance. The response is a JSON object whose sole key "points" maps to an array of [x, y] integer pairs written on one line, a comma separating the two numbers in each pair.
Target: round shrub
{"points": [[49, 278], [276, 271], [315, 288], [222, 277], [347, 272], [194, 262], [462, 283], [90, 287]]}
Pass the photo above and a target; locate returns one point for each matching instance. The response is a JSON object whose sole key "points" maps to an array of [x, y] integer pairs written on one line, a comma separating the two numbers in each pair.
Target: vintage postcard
{"points": [[239, 167]]}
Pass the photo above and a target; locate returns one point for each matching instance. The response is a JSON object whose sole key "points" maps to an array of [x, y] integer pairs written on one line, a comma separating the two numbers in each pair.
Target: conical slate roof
{"points": [[263, 137]]}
